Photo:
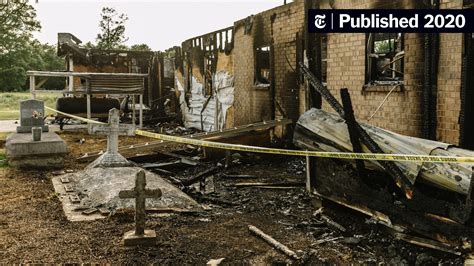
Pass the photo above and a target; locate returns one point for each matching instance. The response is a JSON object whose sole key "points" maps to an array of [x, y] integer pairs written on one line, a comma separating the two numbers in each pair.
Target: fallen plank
{"points": [[275, 184], [275, 187], [427, 243], [330, 239], [159, 165], [376, 215], [332, 223], [160, 210], [271, 241], [235, 176], [218, 201], [213, 135], [172, 210], [199, 176]]}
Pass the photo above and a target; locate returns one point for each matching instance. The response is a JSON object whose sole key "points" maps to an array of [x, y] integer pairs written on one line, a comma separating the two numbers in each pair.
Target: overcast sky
{"points": [[159, 23]]}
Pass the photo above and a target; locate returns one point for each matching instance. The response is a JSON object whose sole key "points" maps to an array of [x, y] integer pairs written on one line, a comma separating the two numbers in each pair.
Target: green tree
{"points": [[44, 57], [140, 47], [17, 23], [112, 27], [89, 45]]}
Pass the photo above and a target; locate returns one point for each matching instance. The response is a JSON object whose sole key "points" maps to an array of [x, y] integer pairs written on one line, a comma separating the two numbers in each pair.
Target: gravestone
{"points": [[112, 158], [31, 115], [140, 193]]}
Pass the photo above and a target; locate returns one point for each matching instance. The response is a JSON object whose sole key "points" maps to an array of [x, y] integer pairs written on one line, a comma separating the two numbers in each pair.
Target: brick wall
{"points": [[346, 69], [277, 28], [402, 112], [449, 81]]}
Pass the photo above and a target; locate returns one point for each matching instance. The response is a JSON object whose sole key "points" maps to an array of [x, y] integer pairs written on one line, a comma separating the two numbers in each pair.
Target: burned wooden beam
{"points": [[400, 179], [213, 135], [274, 243], [352, 128], [199, 176], [270, 184], [427, 243], [237, 176]]}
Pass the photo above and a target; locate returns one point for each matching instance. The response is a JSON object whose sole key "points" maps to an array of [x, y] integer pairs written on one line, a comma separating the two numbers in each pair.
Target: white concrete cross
{"points": [[111, 158]]}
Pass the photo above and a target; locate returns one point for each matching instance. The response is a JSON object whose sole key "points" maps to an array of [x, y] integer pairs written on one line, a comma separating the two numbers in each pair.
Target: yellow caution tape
{"points": [[337, 155], [255, 149]]}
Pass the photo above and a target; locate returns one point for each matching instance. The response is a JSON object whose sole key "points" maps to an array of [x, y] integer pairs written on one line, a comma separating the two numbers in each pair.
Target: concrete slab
{"points": [[23, 152], [99, 188], [147, 239]]}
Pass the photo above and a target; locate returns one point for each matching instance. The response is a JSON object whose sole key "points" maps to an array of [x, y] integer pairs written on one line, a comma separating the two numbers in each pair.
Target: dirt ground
{"points": [[34, 229]]}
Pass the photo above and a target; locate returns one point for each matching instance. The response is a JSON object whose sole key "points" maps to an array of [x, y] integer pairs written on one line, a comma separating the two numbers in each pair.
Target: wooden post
{"points": [[133, 109], [141, 111], [216, 121], [352, 128], [89, 112], [311, 174], [308, 175], [88, 103], [71, 78], [32, 86]]}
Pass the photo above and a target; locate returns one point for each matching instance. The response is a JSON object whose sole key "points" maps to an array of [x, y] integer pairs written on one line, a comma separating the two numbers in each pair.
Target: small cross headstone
{"points": [[140, 193], [112, 158], [31, 115]]}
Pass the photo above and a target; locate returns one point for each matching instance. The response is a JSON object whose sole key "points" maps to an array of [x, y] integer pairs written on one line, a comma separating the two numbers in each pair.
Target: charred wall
{"points": [[204, 81], [275, 30]]}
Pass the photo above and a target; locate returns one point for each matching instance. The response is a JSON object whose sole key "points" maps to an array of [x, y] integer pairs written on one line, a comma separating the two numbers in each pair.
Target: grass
{"points": [[10, 103], [3, 159], [3, 137]]}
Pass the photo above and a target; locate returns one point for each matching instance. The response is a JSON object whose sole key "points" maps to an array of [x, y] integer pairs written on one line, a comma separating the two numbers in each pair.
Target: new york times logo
{"points": [[391, 20], [320, 21]]}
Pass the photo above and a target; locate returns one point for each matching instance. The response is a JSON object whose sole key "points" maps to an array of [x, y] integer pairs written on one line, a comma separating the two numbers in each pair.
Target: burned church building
{"points": [[410, 83]]}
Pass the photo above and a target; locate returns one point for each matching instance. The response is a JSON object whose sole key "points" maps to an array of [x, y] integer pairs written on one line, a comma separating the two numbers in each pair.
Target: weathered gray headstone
{"points": [[112, 158], [140, 193], [31, 115]]}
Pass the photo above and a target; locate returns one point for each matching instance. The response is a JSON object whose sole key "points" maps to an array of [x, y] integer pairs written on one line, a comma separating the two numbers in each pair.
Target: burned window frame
{"points": [[394, 56], [263, 62]]}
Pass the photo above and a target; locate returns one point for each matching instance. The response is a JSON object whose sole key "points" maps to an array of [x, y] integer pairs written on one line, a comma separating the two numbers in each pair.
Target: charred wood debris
{"points": [[226, 182], [231, 182]]}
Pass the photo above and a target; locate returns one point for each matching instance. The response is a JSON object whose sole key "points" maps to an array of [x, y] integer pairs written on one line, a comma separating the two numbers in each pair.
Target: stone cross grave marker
{"points": [[140, 193], [31, 115], [112, 158]]}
